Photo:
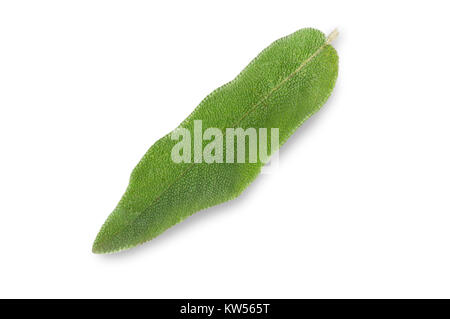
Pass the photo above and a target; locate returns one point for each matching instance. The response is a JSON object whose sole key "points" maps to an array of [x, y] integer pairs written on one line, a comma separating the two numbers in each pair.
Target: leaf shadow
{"points": [[175, 232]]}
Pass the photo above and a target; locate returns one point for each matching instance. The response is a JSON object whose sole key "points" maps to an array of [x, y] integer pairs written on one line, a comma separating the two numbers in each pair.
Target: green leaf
{"points": [[281, 88]]}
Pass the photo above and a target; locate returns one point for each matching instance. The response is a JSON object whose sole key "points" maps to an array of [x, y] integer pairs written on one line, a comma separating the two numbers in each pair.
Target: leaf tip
{"points": [[96, 247], [101, 243]]}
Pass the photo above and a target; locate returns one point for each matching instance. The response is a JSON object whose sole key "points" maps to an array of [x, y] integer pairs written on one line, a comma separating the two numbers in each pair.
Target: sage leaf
{"points": [[281, 88]]}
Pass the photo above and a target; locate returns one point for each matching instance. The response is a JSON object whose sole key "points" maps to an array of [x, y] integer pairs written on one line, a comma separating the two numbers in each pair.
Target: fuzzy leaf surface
{"points": [[281, 88]]}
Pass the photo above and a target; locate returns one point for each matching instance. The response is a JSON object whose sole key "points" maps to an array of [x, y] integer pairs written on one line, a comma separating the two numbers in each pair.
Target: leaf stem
{"points": [[333, 35]]}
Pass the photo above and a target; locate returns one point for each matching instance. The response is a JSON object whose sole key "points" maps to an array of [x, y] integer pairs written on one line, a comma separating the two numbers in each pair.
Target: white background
{"points": [[358, 208]]}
